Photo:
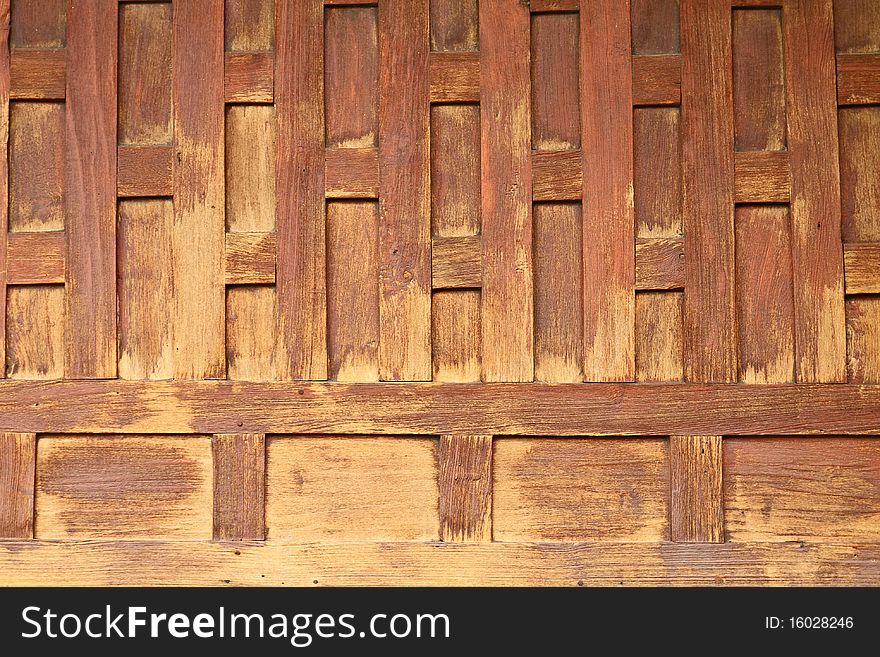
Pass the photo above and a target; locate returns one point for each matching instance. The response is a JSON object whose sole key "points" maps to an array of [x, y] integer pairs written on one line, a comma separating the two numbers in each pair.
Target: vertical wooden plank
{"points": [[857, 26], [299, 184], [353, 290], [859, 162], [199, 322], [554, 61], [249, 25], [655, 27], [465, 488], [455, 170], [18, 455], [404, 193], [239, 486], [505, 129], [765, 312], [454, 25], [145, 288], [707, 150], [35, 332], [863, 338], [608, 213], [558, 295], [817, 254], [696, 511], [145, 74], [90, 195], [4, 172], [455, 335], [659, 336], [657, 171]]}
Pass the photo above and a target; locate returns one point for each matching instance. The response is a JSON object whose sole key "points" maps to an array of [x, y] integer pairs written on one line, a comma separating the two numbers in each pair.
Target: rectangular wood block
{"points": [[334, 489]]}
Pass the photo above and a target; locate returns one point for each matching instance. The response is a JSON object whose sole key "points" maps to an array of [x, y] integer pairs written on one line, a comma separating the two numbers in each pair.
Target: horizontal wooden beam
{"points": [[660, 263], [249, 77], [762, 177], [37, 74], [455, 77], [192, 563], [656, 79], [35, 258], [457, 262], [501, 409], [557, 176], [144, 171], [862, 267], [554, 5], [250, 258], [351, 172], [858, 79]]}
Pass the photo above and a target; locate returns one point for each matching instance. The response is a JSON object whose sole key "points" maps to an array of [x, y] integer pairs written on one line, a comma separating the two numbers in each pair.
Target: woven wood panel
{"points": [[440, 292]]}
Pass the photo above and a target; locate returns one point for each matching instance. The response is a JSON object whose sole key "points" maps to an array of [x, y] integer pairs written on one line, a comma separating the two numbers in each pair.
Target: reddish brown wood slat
{"points": [[707, 168], [862, 263], [199, 185], [38, 74], [858, 79], [351, 172], [609, 239], [656, 80], [696, 507], [18, 453], [455, 77], [817, 254], [4, 172], [507, 298], [762, 177], [300, 225], [557, 175], [456, 262], [145, 171], [660, 263], [465, 481], [35, 258], [249, 77], [90, 193], [404, 194], [250, 258], [239, 486]]}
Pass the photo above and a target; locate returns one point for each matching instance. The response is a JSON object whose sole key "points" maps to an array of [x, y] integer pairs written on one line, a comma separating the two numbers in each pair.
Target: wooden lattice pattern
{"points": [[440, 291]]}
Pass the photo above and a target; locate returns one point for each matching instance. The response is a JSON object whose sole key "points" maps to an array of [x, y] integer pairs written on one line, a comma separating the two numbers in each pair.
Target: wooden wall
{"points": [[440, 292]]}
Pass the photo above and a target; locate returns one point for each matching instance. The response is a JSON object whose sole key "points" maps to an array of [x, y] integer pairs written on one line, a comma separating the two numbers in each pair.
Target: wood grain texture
{"points": [[857, 26], [18, 453], [456, 336], [557, 176], [35, 327], [554, 75], [90, 192], [454, 77], [863, 339], [144, 171], [123, 488], [696, 512], [574, 490], [145, 74], [656, 80], [455, 170], [300, 220], [762, 177], [351, 173], [404, 194], [817, 255], [145, 289], [507, 296], [765, 312], [250, 168], [655, 27], [353, 290], [448, 564], [249, 25], [239, 486], [4, 173], [465, 488], [859, 158], [39, 24], [36, 257], [558, 293], [349, 489], [659, 351], [780, 489], [250, 333], [707, 168], [657, 183], [249, 258], [36, 166], [858, 79], [249, 77], [456, 262], [758, 80], [38, 74], [609, 224], [199, 305], [660, 263], [454, 25], [862, 265]]}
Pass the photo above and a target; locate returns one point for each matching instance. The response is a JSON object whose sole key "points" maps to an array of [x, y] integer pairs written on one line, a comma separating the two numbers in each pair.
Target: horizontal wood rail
{"points": [[249, 77], [98, 562], [35, 258], [250, 258], [500, 409], [351, 172], [37, 74], [457, 262], [858, 79], [144, 171], [660, 263], [455, 77], [656, 79], [862, 265]]}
